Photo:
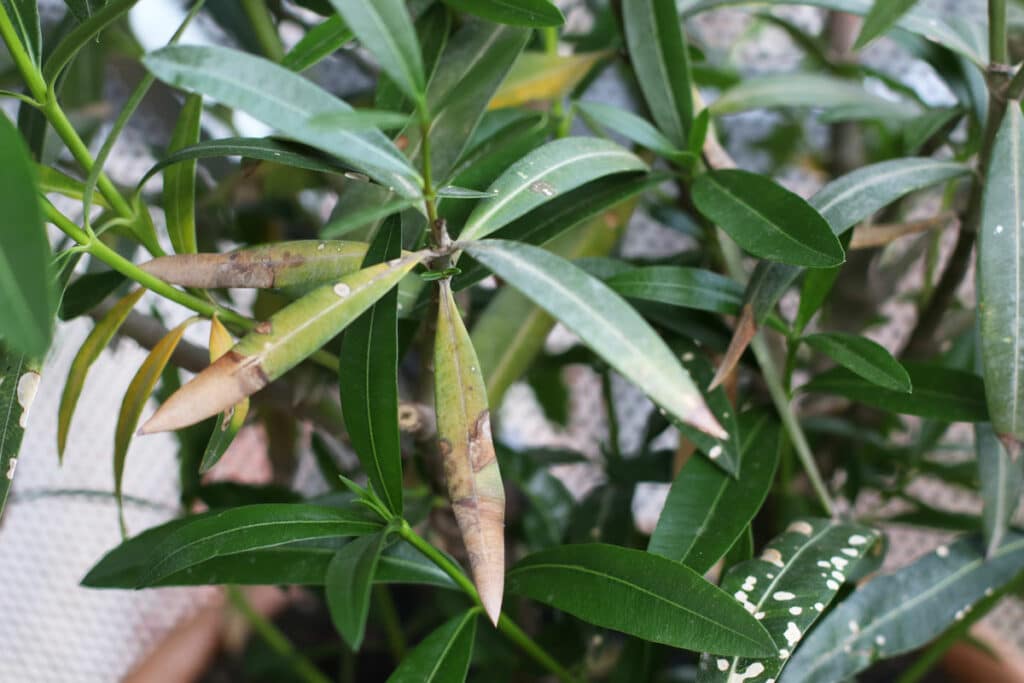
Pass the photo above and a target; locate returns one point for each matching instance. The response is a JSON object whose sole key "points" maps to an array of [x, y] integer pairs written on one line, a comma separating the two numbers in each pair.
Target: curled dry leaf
{"points": [[278, 265], [470, 464], [231, 421], [279, 344]]}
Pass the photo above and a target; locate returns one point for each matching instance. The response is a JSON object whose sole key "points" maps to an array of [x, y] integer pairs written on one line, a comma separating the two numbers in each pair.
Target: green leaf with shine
{"points": [[531, 13], [863, 357], [443, 656], [642, 595], [348, 583]]}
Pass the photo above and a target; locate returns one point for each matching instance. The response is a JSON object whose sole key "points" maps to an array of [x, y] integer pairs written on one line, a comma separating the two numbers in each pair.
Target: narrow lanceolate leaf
{"points": [[368, 376], [701, 290], [547, 172], [180, 180], [883, 16], [766, 219], [863, 357], [640, 594], [787, 588], [305, 263], [1001, 481], [539, 76], [252, 527], [90, 350], [19, 379], [630, 126], [28, 299], [88, 291], [532, 13], [53, 180], [707, 510], [137, 394], [24, 15], [604, 321], [230, 421], [348, 583], [1001, 280], [285, 101], [441, 657], [361, 119], [905, 610], [940, 393], [385, 29], [279, 344], [470, 466], [319, 42], [658, 50]]}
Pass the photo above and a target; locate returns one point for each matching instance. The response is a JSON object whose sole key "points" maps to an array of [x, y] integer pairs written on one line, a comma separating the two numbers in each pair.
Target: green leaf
{"points": [[1001, 480], [817, 91], [83, 35], [701, 290], [90, 350], [883, 15], [251, 527], [360, 119], [1001, 277], [642, 595], [28, 300], [285, 101], [368, 376], [385, 29], [475, 62], [863, 357], [279, 344], [180, 180], [787, 588], [766, 219], [19, 380], [531, 13], [441, 657], [52, 180], [24, 15], [87, 292], [661, 59], [320, 41], [939, 393], [551, 170], [348, 583], [604, 321], [707, 510], [630, 126], [905, 610]]}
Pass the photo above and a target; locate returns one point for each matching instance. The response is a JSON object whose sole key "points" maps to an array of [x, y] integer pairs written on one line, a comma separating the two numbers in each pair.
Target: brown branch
{"points": [[867, 236]]}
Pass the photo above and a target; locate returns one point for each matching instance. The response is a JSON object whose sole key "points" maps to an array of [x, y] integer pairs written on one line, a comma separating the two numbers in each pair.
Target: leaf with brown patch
{"points": [[232, 419], [470, 466]]}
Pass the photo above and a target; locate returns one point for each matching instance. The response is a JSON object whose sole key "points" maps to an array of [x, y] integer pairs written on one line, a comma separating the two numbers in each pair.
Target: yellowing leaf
{"points": [[540, 76], [470, 466]]}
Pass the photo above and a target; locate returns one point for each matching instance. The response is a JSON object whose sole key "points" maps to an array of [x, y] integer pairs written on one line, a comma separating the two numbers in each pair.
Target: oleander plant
{"points": [[477, 196]]}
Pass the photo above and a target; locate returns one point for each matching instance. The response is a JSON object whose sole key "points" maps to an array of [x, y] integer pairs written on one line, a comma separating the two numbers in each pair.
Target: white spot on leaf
{"points": [[772, 556], [715, 452], [857, 539], [796, 611], [342, 290], [942, 551], [791, 634], [801, 527], [28, 384], [782, 596]]}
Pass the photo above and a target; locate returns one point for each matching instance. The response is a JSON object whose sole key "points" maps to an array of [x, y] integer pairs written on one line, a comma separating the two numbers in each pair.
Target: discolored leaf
{"points": [[883, 15], [863, 357], [532, 13], [90, 350], [251, 527], [797, 575], [319, 42], [179, 199], [707, 510], [470, 466], [604, 321], [385, 29], [303, 264], [1000, 279], [766, 219], [348, 583], [441, 657], [285, 101], [137, 394], [904, 610], [539, 76], [640, 594], [28, 299], [368, 377], [940, 393], [229, 422], [547, 172], [279, 344], [19, 380], [660, 56]]}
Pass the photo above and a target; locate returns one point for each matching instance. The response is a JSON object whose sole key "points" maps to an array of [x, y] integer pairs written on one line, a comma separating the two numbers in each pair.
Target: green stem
{"points": [[505, 625], [277, 641], [772, 379], [264, 28], [998, 50]]}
